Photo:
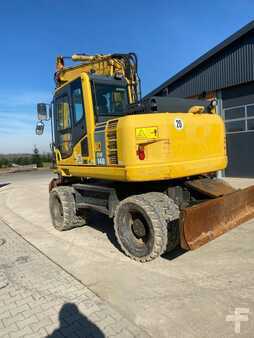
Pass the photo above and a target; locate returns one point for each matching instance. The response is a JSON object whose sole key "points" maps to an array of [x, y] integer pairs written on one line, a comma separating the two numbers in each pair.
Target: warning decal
{"points": [[147, 133]]}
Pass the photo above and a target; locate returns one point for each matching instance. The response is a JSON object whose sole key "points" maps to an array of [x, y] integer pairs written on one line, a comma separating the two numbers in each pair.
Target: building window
{"points": [[250, 110], [239, 119], [251, 124], [234, 126], [234, 113]]}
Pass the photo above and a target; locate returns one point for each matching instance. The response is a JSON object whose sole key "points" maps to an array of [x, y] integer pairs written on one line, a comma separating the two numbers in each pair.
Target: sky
{"points": [[167, 35]]}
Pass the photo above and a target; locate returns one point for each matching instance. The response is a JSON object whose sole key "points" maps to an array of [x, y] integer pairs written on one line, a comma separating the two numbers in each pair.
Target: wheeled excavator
{"points": [[150, 164]]}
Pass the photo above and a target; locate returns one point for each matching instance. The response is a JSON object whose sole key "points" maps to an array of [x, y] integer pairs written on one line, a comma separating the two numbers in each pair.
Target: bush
{"points": [[24, 159]]}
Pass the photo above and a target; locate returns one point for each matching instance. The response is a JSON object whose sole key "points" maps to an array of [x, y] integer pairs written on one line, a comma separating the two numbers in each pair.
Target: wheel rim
{"points": [[136, 232], [139, 227]]}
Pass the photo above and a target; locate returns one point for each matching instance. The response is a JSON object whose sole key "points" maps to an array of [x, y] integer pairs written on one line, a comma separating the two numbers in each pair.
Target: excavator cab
{"points": [[110, 97], [80, 105]]}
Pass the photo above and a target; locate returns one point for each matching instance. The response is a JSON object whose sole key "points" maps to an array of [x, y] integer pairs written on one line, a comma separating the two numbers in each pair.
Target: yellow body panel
{"points": [[198, 147], [175, 145]]}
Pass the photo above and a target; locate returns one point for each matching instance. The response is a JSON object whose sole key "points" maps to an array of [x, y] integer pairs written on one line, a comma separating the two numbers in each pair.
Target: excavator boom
{"points": [[115, 65]]}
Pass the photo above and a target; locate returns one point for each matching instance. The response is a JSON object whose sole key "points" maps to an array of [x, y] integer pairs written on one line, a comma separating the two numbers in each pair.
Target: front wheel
{"points": [[63, 209], [140, 230]]}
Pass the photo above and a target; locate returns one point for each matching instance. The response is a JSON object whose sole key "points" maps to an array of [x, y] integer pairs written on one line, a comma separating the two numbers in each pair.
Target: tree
{"points": [[46, 157], [37, 158], [4, 162]]}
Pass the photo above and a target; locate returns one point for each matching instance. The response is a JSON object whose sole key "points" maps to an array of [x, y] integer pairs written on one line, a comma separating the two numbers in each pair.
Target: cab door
{"points": [[70, 125], [79, 129], [63, 122]]}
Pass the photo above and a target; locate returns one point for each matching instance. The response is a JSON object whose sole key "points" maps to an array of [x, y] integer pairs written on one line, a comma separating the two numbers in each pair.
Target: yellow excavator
{"points": [[150, 163]]}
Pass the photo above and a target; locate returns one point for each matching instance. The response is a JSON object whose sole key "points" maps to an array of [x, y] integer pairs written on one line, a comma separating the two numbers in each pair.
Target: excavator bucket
{"points": [[206, 221]]}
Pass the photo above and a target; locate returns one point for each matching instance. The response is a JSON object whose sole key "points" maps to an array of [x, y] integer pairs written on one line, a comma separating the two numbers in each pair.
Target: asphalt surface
{"points": [[181, 295]]}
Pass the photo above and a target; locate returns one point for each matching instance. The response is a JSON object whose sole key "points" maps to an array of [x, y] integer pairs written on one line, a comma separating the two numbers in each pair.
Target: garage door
{"points": [[239, 122]]}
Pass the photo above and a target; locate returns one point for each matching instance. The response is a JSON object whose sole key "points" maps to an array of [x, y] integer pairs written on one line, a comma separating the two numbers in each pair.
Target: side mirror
{"points": [[39, 128], [42, 111]]}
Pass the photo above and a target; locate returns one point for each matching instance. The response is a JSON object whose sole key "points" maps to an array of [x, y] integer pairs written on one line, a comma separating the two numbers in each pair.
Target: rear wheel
{"points": [[63, 209], [140, 229], [170, 212]]}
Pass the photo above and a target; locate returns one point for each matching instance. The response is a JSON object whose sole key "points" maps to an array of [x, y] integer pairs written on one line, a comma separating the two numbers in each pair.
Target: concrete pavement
{"points": [[189, 295], [39, 299]]}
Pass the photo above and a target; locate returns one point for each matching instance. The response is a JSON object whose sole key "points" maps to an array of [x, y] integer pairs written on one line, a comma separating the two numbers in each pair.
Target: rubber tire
{"points": [[144, 204], [169, 210], [69, 219]]}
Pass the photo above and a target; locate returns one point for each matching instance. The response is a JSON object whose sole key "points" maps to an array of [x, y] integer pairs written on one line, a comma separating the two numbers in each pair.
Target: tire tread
{"points": [[70, 218], [149, 202]]}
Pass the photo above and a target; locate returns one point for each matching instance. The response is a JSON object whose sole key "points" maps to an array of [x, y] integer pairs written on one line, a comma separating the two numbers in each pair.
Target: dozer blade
{"points": [[204, 222]]}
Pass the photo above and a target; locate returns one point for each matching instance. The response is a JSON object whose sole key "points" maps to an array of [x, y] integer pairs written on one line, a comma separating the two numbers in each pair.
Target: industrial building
{"points": [[226, 72]]}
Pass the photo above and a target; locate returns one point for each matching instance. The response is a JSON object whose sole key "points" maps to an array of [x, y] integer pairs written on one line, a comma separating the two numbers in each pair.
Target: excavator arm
{"points": [[114, 65]]}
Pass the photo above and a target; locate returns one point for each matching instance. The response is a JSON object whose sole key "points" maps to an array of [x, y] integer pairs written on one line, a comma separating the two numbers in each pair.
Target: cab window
{"points": [[63, 124], [63, 113], [77, 101], [110, 100]]}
